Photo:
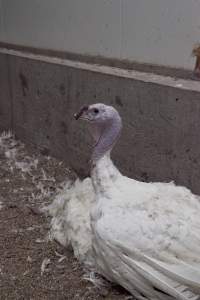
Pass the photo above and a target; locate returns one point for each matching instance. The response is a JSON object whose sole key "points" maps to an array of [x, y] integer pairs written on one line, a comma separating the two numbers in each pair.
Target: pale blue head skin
{"points": [[105, 124]]}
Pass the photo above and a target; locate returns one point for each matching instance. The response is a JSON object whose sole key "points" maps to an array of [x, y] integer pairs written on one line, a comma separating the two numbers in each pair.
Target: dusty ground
{"points": [[31, 265]]}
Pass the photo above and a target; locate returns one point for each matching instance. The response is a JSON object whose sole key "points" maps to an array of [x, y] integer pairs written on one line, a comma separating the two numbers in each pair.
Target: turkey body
{"points": [[146, 236]]}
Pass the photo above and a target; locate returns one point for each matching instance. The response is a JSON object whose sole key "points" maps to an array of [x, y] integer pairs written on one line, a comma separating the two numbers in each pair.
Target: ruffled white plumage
{"points": [[146, 235], [70, 224]]}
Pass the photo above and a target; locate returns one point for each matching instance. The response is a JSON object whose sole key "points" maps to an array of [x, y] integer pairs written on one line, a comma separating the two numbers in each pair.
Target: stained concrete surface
{"points": [[160, 139]]}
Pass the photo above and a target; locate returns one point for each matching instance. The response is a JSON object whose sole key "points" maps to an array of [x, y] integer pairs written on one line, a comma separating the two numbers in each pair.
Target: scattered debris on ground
{"points": [[32, 266]]}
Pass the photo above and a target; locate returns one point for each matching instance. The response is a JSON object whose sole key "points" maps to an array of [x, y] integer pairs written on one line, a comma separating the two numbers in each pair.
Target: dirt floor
{"points": [[32, 267]]}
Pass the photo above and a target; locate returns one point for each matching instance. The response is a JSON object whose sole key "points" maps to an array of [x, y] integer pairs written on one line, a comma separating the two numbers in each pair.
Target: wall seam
{"points": [[121, 27], [10, 91]]}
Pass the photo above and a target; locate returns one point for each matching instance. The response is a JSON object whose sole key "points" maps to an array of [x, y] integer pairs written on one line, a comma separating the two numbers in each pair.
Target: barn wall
{"points": [[155, 31]]}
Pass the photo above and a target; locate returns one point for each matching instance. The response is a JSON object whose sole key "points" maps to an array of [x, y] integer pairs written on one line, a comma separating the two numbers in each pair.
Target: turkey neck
{"points": [[104, 173]]}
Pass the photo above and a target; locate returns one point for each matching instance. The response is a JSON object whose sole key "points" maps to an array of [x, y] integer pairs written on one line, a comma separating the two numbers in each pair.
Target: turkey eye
{"points": [[96, 111]]}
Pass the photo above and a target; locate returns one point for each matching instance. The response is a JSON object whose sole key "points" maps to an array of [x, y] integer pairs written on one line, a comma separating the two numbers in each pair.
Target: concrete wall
{"points": [[153, 31], [160, 139]]}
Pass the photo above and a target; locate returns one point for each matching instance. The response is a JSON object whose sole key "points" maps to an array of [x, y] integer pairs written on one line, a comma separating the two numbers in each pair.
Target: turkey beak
{"points": [[80, 113]]}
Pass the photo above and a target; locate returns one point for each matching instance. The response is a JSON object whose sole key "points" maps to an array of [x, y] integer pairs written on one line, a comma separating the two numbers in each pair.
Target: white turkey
{"points": [[143, 236]]}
